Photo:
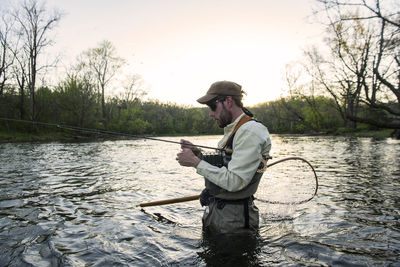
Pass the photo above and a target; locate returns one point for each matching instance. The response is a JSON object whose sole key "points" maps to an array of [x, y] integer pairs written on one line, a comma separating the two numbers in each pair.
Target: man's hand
{"points": [[189, 145], [187, 158]]}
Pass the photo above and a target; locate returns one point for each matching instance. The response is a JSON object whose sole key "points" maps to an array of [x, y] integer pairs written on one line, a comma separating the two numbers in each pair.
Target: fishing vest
{"points": [[251, 188]]}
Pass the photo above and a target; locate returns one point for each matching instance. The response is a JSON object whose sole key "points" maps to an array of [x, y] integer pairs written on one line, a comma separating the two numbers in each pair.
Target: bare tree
{"points": [[133, 89], [371, 9], [343, 71], [6, 56], [21, 76], [104, 64], [33, 24], [308, 92], [371, 57]]}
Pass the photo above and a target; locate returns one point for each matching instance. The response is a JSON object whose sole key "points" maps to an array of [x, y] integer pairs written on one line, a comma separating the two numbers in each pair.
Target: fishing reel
{"points": [[219, 159], [223, 157], [215, 159]]}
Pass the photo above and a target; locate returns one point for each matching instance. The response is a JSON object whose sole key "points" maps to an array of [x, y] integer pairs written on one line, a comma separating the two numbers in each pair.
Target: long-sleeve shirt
{"points": [[250, 143]]}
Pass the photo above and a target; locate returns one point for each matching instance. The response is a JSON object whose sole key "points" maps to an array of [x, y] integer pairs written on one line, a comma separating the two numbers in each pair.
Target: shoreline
{"points": [[18, 137]]}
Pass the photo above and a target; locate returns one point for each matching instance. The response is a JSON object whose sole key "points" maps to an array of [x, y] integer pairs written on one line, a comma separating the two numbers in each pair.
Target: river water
{"points": [[75, 204]]}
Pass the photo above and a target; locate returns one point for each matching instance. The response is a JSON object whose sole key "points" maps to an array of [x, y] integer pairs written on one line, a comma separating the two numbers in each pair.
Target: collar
{"points": [[242, 119], [229, 128]]}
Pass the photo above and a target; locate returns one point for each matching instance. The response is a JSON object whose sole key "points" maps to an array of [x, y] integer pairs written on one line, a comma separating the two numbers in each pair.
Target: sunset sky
{"points": [[180, 47]]}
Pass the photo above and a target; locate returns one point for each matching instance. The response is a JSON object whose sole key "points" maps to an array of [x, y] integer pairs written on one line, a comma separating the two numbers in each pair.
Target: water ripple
{"points": [[75, 204]]}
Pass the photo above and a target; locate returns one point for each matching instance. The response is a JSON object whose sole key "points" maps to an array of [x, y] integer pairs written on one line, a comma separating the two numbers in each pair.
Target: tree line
{"points": [[354, 83], [75, 103]]}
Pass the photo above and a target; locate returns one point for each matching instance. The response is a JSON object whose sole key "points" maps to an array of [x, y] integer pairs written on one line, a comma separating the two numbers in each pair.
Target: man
{"points": [[228, 196]]}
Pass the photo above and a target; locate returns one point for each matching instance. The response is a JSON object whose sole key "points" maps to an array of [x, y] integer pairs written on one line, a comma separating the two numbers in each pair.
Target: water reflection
{"points": [[74, 204], [230, 250]]}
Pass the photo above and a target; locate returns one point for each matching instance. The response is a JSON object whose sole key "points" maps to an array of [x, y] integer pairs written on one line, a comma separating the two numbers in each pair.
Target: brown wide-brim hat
{"points": [[221, 88]]}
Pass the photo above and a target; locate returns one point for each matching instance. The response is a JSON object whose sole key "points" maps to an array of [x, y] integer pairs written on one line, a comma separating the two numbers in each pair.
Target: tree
{"points": [[21, 76], [76, 100], [302, 97], [33, 24], [6, 55], [132, 89], [378, 75], [103, 62], [342, 72]]}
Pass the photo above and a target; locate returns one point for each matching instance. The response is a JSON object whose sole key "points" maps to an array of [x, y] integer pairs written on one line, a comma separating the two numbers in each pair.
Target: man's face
{"points": [[220, 113]]}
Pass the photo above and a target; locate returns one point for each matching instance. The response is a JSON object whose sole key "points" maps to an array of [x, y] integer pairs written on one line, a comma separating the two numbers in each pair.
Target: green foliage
{"points": [[45, 105], [9, 105], [76, 102], [296, 115]]}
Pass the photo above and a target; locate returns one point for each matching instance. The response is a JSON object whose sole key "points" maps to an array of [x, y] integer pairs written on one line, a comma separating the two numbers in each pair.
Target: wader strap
{"points": [[242, 121]]}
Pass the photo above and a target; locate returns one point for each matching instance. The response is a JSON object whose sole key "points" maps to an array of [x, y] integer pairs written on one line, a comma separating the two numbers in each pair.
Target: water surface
{"points": [[75, 204]]}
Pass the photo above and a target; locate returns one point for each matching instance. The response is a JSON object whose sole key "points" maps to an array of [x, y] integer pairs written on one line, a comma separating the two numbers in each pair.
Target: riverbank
{"points": [[386, 133], [15, 137]]}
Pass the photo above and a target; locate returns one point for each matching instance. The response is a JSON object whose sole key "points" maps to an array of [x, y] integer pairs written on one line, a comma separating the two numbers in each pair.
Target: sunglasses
{"points": [[213, 104]]}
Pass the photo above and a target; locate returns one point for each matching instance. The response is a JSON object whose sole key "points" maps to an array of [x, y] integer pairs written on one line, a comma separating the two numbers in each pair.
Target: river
{"points": [[75, 204]]}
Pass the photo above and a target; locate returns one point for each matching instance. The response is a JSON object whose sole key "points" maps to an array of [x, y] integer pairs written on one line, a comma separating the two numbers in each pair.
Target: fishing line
{"points": [[104, 132]]}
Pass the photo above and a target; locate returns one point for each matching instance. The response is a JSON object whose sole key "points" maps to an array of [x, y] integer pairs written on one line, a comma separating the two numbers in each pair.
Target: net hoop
{"points": [[293, 202]]}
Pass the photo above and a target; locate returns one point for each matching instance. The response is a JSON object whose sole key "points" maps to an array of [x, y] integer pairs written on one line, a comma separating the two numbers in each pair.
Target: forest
{"points": [[352, 85]]}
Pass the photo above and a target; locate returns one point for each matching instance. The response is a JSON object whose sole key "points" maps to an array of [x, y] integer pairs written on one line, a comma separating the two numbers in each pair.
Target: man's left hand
{"points": [[187, 158]]}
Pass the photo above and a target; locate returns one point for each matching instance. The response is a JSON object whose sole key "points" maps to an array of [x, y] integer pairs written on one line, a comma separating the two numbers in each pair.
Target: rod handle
{"points": [[169, 201]]}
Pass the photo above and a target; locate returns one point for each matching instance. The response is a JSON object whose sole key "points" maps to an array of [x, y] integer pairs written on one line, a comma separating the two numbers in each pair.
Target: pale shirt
{"points": [[251, 141]]}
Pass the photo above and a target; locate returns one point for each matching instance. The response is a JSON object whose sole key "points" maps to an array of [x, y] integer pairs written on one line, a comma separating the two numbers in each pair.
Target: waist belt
{"points": [[222, 202]]}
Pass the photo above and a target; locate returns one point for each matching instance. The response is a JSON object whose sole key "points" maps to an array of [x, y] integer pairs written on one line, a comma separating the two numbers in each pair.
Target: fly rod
{"points": [[96, 131]]}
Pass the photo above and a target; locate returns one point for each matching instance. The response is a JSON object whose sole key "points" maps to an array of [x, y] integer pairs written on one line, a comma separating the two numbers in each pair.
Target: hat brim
{"points": [[207, 98]]}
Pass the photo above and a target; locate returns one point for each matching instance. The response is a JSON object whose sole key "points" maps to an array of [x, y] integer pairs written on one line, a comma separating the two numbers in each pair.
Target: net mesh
{"points": [[292, 181]]}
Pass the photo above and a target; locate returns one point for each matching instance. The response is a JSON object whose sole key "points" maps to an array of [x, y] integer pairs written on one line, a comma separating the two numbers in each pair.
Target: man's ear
{"points": [[229, 101]]}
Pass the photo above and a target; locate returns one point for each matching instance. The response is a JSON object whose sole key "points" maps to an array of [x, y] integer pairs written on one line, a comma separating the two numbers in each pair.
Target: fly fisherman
{"points": [[230, 186]]}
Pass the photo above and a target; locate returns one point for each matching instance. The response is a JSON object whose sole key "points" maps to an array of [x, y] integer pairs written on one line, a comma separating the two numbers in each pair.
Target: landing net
{"points": [[288, 181]]}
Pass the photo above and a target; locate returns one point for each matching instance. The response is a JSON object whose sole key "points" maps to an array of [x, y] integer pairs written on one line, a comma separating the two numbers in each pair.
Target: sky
{"points": [[180, 47]]}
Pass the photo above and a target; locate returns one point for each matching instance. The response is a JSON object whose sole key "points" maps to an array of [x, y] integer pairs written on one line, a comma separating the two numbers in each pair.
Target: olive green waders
{"points": [[226, 216]]}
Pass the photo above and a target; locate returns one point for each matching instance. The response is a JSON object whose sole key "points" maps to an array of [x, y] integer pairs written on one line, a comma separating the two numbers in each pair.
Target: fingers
{"points": [[186, 144], [187, 158], [190, 145], [185, 151], [183, 141], [183, 156]]}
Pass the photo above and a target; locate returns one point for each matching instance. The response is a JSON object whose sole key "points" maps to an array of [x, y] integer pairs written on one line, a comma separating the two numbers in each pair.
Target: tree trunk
{"points": [[32, 106], [22, 104]]}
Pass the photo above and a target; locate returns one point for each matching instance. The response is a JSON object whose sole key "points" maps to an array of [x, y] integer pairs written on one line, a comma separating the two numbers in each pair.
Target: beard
{"points": [[225, 118]]}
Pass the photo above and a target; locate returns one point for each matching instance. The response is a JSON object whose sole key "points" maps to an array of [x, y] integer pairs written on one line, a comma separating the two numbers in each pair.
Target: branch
{"points": [[392, 88], [394, 124]]}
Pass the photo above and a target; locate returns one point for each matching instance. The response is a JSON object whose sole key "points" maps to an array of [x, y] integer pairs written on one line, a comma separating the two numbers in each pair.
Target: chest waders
{"points": [[221, 197]]}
